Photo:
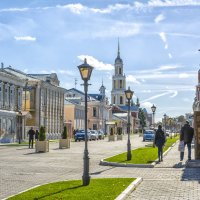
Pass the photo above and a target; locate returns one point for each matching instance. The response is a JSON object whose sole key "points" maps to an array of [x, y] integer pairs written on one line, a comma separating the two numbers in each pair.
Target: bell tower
{"points": [[118, 82]]}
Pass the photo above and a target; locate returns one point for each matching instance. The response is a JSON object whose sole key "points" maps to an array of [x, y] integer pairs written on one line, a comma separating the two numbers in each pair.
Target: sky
{"points": [[159, 42]]}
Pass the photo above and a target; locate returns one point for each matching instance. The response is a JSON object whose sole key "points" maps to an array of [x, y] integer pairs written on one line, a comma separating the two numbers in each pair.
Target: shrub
{"points": [[64, 133], [42, 134]]}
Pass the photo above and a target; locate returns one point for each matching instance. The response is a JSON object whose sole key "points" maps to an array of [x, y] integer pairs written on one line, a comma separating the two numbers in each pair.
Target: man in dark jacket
{"points": [[186, 135], [31, 134], [159, 140]]}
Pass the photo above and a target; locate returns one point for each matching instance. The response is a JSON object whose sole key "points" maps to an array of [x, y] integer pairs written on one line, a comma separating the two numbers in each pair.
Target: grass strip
{"points": [[144, 155], [107, 188]]}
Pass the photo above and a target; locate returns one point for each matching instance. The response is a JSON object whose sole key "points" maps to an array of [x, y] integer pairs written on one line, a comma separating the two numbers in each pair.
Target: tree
{"points": [[42, 135], [142, 118], [138, 103], [64, 133]]}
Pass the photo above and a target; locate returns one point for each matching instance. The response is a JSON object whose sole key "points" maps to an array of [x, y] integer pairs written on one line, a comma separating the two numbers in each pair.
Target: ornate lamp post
{"points": [[20, 127], [129, 94], [153, 108], [165, 121], [85, 71]]}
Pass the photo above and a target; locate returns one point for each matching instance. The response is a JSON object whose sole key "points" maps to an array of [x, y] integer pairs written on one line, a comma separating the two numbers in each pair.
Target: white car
{"points": [[94, 135]]}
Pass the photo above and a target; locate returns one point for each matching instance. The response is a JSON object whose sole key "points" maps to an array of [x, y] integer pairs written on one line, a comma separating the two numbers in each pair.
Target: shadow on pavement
{"points": [[179, 165], [191, 174], [99, 172]]}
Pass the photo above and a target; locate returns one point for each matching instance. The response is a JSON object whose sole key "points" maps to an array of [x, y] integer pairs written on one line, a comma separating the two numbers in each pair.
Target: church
{"points": [[119, 101]]}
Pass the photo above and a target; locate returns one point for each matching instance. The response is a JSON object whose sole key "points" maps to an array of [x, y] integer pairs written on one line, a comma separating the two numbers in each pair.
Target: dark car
{"points": [[80, 135], [148, 135]]}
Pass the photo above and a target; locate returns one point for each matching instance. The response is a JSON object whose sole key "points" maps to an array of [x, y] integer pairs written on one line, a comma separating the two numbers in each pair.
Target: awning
{"points": [[110, 123]]}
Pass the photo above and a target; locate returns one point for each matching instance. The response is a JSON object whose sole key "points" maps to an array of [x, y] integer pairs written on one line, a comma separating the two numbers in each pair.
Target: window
{"points": [[94, 111], [121, 100], [114, 100], [120, 84], [94, 126], [114, 84], [120, 70]]}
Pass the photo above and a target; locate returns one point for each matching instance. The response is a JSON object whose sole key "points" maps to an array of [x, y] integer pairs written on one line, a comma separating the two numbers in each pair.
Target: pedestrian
{"points": [[186, 135], [36, 135], [74, 133], [31, 134], [159, 141]]}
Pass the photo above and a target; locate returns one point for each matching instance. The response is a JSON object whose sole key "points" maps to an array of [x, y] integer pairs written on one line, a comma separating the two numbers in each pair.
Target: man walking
{"points": [[31, 134], [159, 141], [186, 135]]}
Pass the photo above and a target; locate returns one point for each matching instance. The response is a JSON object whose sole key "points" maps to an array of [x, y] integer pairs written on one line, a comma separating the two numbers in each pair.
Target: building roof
{"points": [[19, 73], [132, 108], [98, 97]]}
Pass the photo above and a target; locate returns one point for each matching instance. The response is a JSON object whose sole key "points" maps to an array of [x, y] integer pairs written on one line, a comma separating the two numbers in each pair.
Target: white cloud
{"points": [[166, 3], [14, 10], [145, 91], [175, 94], [25, 38], [111, 8], [98, 65], [164, 39], [132, 79], [170, 55], [146, 104], [172, 92], [79, 8], [159, 18], [74, 8], [184, 75], [25, 70], [167, 67]]}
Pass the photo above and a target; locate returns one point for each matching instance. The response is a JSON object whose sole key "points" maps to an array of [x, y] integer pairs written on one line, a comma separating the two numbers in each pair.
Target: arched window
{"points": [[120, 70], [121, 100], [120, 84]]}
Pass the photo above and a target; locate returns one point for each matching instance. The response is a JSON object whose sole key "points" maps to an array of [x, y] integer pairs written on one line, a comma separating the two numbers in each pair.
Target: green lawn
{"points": [[144, 155], [108, 188]]}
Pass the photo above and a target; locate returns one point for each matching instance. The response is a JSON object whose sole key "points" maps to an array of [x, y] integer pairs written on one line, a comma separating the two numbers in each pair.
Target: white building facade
{"points": [[42, 102], [11, 89]]}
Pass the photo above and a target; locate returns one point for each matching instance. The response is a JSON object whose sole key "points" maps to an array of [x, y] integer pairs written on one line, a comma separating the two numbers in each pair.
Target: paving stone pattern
{"points": [[22, 168]]}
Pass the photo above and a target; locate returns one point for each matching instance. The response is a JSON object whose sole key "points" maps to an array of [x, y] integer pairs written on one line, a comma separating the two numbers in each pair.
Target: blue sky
{"points": [[159, 42]]}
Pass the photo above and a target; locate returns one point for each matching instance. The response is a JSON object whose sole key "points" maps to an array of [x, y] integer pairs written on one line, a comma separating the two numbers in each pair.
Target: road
{"points": [[22, 168]]}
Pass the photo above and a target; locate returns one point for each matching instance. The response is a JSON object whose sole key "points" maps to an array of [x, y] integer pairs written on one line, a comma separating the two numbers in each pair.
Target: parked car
{"points": [[101, 135], [148, 135], [94, 135], [80, 135]]}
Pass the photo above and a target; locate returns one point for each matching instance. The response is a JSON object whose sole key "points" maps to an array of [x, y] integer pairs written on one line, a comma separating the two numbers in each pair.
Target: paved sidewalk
{"points": [[170, 180], [21, 168]]}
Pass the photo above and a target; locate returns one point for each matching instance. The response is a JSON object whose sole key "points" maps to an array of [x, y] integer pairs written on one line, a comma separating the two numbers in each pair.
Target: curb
{"points": [[129, 189], [21, 192], [152, 165], [106, 163]]}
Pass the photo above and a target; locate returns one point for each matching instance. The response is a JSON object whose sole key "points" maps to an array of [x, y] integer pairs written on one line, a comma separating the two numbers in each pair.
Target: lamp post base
{"points": [[86, 177], [129, 155]]}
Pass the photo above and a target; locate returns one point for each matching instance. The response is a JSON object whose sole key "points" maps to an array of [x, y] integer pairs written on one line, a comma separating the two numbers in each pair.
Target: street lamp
{"points": [[20, 126], [165, 121], [153, 108], [129, 95], [85, 71]]}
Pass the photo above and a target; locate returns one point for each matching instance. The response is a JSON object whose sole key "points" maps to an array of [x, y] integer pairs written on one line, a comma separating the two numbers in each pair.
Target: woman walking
{"points": [[160, 139]]}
